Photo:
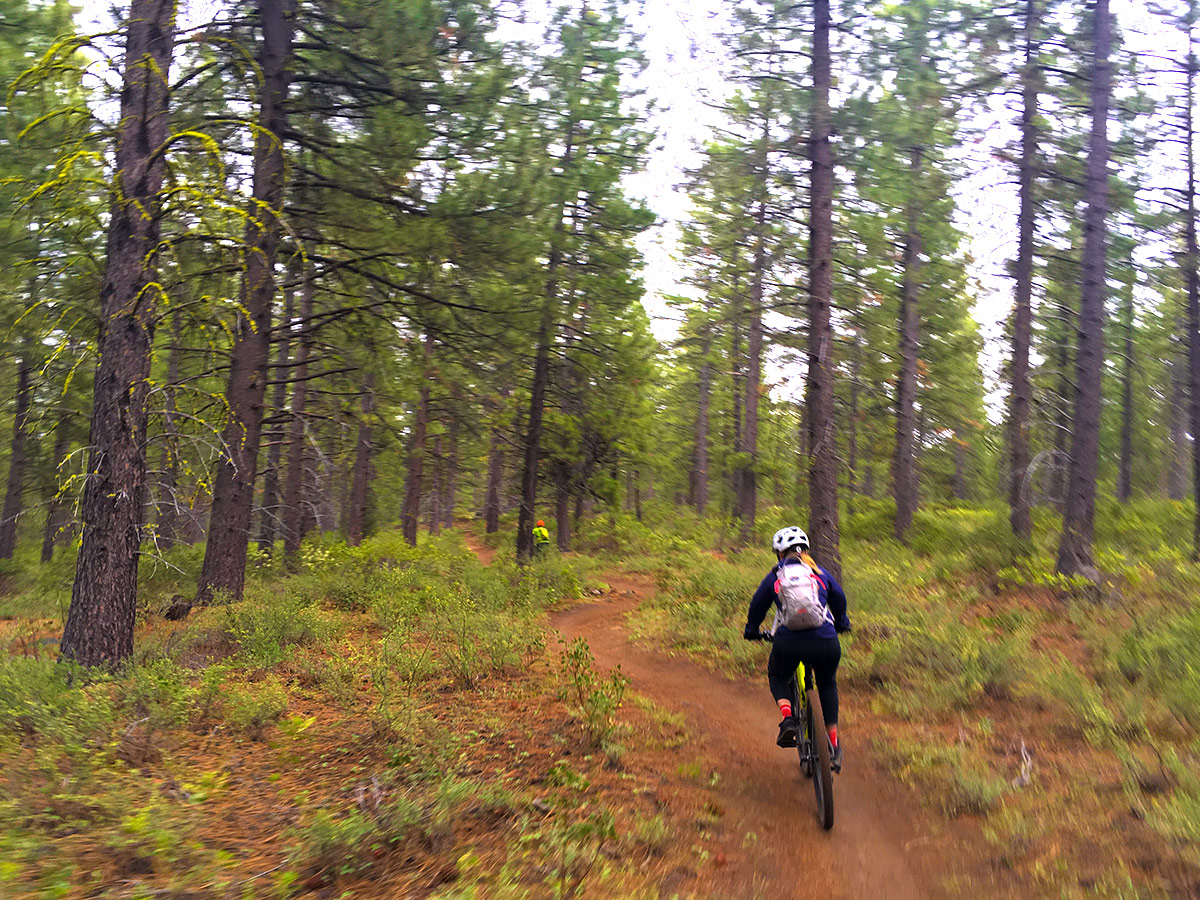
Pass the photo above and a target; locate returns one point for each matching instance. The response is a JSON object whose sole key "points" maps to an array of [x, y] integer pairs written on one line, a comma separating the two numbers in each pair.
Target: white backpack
{"points": [[800, 606]]}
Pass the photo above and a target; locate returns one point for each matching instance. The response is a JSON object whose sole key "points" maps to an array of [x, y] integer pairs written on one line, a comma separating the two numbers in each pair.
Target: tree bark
{"points": [[700, 451], [855, 390], [297, 477], [491, 503], [1192, 263], [637, 495], [959, 484], [410, 517], [168, 501], [748, 480], [1020, 517], [533, 435], [738, 377], [1125, 466], [450, 485], [541, 373], [99, 627], [13, 506], [1075, 548], [224, 567], [904, 481], [562, 506], [438, 486], [1177, 477], [1062, 427], [357, 516], [270, 516], [823, 517]]}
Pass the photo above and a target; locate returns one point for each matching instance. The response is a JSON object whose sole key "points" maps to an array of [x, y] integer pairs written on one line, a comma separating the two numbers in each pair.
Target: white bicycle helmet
{"points": [[787, 538]]}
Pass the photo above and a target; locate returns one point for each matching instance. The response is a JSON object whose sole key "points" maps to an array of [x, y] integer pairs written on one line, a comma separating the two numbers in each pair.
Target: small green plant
{"points": [[254, 707], [593, 698], [652, 834]]}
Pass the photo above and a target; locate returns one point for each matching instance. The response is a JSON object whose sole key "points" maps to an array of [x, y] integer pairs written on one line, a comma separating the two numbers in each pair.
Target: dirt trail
{"points": [[882, 844]]}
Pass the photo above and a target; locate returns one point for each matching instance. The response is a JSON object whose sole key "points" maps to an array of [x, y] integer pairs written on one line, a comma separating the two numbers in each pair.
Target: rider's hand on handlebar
{"points": [[751, 633]]}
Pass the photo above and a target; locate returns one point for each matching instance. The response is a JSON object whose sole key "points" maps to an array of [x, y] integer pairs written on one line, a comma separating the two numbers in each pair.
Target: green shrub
{"points": [[1162, 649], [158, 691], [593, 698], [1178, 817], [253, 708], [42, 698], [266, 624]]}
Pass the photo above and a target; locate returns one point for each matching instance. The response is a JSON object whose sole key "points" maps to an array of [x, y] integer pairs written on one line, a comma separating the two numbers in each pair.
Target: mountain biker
{"points": [[818, 648], [541, 537]]}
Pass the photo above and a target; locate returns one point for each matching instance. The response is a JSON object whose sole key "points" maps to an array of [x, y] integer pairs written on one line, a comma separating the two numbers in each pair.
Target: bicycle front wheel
{"points": [[819, 758]]}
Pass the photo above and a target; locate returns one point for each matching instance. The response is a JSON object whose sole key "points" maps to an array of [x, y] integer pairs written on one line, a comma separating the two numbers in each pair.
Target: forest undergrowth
{"points": [[386, 722], [1061, 717], [388, 719]]}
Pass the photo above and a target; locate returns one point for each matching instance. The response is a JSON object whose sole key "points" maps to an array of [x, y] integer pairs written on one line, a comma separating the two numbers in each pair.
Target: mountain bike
{"points": [[813, 746]]}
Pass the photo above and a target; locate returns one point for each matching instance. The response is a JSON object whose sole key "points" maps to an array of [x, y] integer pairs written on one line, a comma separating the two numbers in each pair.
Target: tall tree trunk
{"points": [[533, 435], [904, 478], [1062, 426], [1020, 517], [297, 477], [700, 451], [1125, 467], [738, 378], [57, 518], [450, 485], [495, 472], [823, 517], [1075, 548], [356, 516], [960, 467], [541, 372], [99, 627], [271, 519], [224, 568], [16, 458], [437, 487], [562, 506], [855, 390], [168, 499], [410, 516], [748, 480], [1192, 262], [1177, 478]]}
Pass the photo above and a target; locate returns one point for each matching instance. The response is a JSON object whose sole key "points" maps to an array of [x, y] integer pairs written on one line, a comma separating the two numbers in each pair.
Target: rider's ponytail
{"points": [[809, 561]]}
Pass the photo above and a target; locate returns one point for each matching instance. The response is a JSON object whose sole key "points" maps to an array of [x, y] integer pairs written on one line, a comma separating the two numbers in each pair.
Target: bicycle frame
{"points": [[813, 746]]}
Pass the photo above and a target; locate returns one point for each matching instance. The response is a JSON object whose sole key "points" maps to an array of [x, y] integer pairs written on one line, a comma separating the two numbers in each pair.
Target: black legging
{"points": [[821, 654]]}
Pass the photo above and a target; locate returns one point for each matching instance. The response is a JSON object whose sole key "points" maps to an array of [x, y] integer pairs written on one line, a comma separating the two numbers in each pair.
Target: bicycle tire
{"points": [[822, 765]]}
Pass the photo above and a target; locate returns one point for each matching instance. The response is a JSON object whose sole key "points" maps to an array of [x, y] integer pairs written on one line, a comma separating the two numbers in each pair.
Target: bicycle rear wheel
{"points": [[819, 757]]}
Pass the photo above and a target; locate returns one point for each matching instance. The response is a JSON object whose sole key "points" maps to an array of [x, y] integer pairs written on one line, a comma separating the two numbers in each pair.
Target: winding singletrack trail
{"points": [[882, 845]]}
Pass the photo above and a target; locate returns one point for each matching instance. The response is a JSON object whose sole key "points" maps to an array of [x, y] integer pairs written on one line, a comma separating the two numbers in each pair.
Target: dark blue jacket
{"points": [[831, 595]]}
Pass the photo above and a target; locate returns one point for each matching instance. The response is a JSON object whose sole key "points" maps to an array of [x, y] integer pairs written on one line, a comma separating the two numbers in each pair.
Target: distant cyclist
{"points": [[541, 537], [817, 647]]}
